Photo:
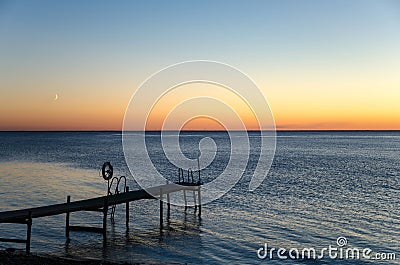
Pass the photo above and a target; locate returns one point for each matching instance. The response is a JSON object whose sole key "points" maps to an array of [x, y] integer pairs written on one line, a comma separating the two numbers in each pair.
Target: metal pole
{"points": [[127, 210], [67, 218], [28, 233]]}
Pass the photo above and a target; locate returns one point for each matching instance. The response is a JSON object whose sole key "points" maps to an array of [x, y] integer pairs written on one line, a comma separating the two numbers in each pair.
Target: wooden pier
{"points": [[100, 204]]}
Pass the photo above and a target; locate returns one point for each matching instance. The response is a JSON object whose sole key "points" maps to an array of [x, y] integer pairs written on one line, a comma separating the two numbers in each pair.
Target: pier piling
{"points": [[28, 233], [199, 199], [127, 211], [194, 199], [161, 208], [105, 211], [168, 204], [184, 197], [67, 219]]}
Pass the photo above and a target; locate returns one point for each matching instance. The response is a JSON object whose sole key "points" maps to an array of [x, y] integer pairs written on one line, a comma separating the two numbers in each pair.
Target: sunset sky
{"points": [[320, 64]]}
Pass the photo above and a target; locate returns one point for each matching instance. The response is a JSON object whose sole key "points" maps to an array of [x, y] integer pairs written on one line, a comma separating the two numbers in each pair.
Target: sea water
{"points": [[322, 186]]}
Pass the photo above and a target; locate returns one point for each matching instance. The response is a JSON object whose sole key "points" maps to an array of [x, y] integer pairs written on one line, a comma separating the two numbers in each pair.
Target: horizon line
{"points": [[278, 130]]}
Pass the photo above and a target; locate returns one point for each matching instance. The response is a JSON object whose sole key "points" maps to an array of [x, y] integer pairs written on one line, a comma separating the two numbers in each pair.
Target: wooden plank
{"points": [[12, 240], [86, 228], [16, 221]]}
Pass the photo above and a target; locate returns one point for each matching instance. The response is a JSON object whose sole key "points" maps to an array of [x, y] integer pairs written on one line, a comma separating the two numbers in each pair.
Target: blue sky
{"points": [[48, 46], [168, 31]]}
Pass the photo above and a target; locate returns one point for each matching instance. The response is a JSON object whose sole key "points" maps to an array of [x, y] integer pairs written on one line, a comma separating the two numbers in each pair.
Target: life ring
{"points": [[107, 171]]}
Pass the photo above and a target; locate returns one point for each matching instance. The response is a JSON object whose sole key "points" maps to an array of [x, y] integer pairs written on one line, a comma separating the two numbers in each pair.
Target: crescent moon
{"points": [[56, 97]]}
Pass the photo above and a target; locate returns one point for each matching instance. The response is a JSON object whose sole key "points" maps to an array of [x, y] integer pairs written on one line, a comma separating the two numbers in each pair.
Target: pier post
{"points": [[28, 233], [194, 199], [168, 204], [161, 208], [105, 211], [127, 211], [199, 199], [184, 197], [67, 219]]}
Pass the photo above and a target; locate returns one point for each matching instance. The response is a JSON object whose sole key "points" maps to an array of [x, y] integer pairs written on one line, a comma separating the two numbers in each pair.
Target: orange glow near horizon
{"points": [[114, 123], [202, 124], [348, 109], [61, 115], [203, 98]]}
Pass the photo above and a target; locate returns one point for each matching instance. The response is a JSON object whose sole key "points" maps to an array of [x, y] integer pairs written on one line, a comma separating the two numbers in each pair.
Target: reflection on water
{"points": [[27, 184], [144, 244], [321, 186]]}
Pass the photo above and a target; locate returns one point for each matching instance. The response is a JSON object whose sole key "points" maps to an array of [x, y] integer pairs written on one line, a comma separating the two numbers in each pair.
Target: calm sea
{"points": [[322, 185]]}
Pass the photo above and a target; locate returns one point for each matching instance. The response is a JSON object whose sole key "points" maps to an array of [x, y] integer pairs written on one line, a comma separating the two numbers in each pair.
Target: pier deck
{"points": [[101, 203], [93, 203]]}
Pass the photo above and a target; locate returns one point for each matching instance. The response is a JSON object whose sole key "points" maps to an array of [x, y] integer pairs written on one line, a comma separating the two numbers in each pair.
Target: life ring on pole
{"points": [[107, 171]]}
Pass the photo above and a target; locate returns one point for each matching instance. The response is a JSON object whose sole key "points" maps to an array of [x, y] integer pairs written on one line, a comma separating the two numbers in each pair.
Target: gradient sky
{"points": [[320, 64]]}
